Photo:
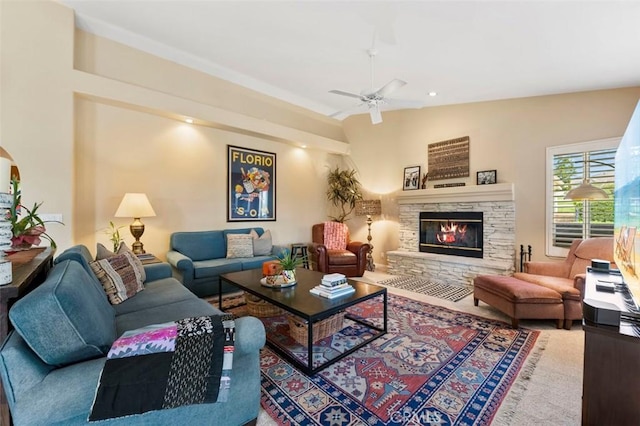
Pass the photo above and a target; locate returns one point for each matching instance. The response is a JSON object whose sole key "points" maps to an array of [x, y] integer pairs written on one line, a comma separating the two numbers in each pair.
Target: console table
{"points": [[29, 269], [611, 384]]}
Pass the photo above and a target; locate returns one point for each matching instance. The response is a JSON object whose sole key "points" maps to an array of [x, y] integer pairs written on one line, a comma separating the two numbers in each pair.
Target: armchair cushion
{"points": [[591, 248], [341, 257], [336, 235]]}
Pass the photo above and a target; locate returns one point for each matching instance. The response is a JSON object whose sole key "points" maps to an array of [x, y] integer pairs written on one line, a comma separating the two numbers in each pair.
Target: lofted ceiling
{"points": [[465, 51]]}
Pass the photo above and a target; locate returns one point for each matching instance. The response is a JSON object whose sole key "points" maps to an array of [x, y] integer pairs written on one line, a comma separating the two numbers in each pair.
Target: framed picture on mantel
{"points": [[411, 178], [487, 177]]}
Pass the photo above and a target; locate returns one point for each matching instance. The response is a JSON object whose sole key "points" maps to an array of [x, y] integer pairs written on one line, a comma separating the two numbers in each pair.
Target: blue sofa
{"points": [[51, 363], [199, 257]]}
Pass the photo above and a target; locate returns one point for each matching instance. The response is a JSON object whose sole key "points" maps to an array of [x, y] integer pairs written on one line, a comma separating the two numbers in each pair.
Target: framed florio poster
{"points": [[251, 183]]}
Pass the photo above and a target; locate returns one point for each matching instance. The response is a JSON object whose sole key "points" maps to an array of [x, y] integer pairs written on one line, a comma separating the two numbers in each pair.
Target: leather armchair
{"points": [[350, 262], [568, 276]]}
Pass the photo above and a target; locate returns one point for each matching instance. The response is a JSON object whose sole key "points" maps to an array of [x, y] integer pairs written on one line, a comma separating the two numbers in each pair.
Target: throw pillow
{"points": [[119, 276], [335, 235], [103, 253], [239, 245], [262, 245]]}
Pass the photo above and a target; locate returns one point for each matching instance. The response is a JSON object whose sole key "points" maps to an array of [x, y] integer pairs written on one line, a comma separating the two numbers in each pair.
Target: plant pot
{"points": [[289, 275]]}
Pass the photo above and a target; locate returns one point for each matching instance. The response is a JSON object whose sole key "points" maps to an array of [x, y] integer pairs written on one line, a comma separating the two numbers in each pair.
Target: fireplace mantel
{"points": [[459, 194]]}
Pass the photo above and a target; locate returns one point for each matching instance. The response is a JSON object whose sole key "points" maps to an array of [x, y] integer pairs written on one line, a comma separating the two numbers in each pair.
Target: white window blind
{"points": [[568, 166]]}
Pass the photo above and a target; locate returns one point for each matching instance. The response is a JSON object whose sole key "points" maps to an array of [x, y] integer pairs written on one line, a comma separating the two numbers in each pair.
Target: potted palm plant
{"points": [[343, 191], [288, 263]]}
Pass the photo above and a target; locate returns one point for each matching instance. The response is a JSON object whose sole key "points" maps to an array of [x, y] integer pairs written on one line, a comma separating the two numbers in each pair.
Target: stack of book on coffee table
{"points": [[332, 286]]}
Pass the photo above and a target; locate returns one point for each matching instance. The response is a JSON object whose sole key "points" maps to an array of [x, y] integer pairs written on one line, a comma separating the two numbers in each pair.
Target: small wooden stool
{"points": [[518, 299], [300, 249]]}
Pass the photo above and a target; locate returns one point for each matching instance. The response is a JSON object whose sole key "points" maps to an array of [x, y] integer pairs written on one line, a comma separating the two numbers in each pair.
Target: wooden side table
{"points": [[148, 259], [300, 249]]}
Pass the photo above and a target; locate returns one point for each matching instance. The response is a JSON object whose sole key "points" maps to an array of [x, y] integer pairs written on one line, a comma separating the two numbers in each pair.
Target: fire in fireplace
{"points": [[453, 233]]}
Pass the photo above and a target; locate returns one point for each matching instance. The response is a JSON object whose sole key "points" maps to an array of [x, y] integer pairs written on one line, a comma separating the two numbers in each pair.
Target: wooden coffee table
{"points": [[298, 301]]}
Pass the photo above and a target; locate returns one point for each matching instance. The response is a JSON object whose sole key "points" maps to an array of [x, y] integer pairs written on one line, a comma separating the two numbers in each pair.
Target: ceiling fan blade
{"points": [[404, 103], [374, 112], [391, 86], [343, 93]]}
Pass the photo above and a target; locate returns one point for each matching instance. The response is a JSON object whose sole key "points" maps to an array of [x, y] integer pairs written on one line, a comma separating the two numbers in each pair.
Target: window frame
{"points": [[595, 145]]}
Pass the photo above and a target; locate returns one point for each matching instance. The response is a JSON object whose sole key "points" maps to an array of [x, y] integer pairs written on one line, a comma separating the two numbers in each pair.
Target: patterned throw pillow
{"points": [[102, 253], [335, 235], [239, 245], [119, 276], [262, 245]]}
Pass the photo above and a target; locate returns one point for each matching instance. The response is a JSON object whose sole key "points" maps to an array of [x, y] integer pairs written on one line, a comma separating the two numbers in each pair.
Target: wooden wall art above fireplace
{"points": [[449, 159]]}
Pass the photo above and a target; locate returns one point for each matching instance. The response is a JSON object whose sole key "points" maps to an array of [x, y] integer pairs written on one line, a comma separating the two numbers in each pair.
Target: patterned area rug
{"points": [[434, 366], [430, 288]]}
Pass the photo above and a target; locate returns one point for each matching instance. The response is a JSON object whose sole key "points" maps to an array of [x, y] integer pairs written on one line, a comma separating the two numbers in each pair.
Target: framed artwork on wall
{"points": [[411, 178], [251, 185], [487, 177]]}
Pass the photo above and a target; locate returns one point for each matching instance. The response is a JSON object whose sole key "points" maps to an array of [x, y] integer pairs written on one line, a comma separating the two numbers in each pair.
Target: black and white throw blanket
{"points": [[166, 366]]}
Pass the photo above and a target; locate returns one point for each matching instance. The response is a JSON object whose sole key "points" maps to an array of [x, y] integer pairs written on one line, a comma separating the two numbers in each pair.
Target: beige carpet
{"points": [[548, 390]]}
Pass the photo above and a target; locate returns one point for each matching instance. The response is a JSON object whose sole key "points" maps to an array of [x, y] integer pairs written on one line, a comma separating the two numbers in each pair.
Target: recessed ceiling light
{"points": [[189, 120], [432, 93], [303, 146]]}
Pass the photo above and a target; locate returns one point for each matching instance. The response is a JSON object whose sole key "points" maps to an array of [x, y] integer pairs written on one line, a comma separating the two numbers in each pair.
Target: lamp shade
{"points": [[368, 207], [586, 191], [135, 205]]}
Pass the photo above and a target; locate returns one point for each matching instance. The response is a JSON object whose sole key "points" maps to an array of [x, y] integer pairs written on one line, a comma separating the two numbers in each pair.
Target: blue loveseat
{"points": [[199, 257], [51, 363]]}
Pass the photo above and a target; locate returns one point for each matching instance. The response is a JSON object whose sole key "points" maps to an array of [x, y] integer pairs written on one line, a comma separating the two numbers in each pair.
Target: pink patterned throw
{"points": [[335, 235]]}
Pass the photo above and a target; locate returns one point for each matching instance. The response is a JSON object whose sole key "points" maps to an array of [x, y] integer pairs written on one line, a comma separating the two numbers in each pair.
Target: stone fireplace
{"points": [[495, 203]]}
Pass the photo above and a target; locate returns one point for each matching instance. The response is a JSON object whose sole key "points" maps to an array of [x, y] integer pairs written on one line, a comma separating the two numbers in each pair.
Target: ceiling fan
{"points": [[374, 98]]}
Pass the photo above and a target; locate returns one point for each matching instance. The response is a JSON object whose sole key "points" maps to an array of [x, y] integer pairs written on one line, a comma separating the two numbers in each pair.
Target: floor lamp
{"points": [[135, 205], [369, 208]]}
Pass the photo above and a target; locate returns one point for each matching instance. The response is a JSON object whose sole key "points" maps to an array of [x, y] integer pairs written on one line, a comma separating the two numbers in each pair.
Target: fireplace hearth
{"points": [[452, 233]]}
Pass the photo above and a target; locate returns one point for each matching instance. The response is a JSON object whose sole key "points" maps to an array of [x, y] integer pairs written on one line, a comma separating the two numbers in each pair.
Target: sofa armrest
{"points": [[318, 256], [250, 335], [578, 282], [553, 269], [358, 248], [157, 271], [179, 261]]}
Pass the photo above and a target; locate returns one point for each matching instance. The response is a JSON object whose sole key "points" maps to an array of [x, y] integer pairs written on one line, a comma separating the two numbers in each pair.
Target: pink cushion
{"points": [[335, 235]]}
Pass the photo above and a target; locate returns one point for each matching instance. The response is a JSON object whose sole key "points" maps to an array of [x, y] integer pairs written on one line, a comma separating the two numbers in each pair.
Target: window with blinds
{"points": [[570, 166]]}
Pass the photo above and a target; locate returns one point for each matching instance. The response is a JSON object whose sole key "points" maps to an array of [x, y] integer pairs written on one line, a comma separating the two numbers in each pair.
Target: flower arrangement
{"points": [[28, 229]]}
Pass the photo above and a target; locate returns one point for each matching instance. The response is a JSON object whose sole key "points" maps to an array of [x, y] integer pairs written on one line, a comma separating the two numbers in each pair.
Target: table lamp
{"points": [[369, 208], [135, 205]]}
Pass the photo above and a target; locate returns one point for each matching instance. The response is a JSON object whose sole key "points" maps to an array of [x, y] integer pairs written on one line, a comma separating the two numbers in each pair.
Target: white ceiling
{"points": [[466, 51]]}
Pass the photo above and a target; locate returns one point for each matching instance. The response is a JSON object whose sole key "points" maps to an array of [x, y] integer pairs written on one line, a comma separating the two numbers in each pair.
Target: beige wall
{"points": [[510, 136], [85, 135], [88, 119]]}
